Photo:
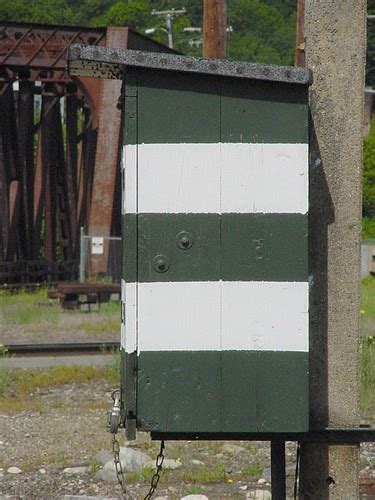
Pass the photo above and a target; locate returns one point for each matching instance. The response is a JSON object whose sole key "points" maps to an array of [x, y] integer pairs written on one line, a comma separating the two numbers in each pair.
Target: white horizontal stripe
{"points": [[179, 316], [260, 316], [216, 178], [265, 316], [129, 296], [264, 178], [179, 178]]}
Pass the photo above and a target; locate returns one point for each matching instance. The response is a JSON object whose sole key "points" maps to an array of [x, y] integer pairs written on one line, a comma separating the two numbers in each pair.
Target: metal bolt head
{"points": [[184, 240], [160, 263]]}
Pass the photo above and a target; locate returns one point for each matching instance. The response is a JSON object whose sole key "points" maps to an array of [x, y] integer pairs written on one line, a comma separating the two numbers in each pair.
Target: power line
{"points": [[168, 15]]}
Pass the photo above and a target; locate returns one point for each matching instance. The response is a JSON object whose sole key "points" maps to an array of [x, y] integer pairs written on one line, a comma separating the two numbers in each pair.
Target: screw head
{"points": [[184, 240], [160, 263]]}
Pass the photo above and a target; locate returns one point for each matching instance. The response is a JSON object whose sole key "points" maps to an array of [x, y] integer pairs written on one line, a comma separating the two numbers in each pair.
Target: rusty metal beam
{"points": [[71, 164], [26, 152], [106, 161], [40, 46]]}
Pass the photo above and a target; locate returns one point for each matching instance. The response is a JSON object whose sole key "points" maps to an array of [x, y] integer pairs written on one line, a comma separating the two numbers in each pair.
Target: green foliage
{"points": [[368, 227], [261, 33], [134, 13], [367, 370], [368, 204], [370, 59], [368, 297]]}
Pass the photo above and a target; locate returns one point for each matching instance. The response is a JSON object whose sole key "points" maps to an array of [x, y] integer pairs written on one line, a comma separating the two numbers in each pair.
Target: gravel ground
{"points": [[65, 427]]}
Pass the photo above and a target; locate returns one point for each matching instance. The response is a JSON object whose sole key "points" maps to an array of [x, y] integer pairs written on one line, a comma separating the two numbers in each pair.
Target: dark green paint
{"points": [[264, 391], [178, 110], [129, 382], [181, 108], [130, 117], [231, 247], [264, 113], [264, 247], [179, 391], [229, 391], [157, 235]]}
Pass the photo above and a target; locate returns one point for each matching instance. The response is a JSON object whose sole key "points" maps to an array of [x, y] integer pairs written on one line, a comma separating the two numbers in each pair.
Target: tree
{"points": [[135, 14]]}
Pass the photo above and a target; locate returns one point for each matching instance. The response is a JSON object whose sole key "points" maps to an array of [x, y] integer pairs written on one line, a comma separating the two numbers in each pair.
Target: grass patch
{"points": [[194, 489], [368, 297], [9, 405], [28, 307], [35, 308], [111, 326], [144, 476], [28, 381], [111, 307], [205, 475], [253, 470], [94, 465]]}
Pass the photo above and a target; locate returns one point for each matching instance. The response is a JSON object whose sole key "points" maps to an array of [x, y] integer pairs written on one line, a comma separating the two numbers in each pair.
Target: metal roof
{"points": [[100, 62]]}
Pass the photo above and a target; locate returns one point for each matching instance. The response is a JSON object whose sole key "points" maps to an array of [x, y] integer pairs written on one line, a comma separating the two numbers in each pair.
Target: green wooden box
{"points": [[215, 271]]}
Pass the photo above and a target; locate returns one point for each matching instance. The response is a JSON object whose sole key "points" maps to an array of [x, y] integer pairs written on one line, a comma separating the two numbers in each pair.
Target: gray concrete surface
{"points": [[48, 361], [335, 52]]}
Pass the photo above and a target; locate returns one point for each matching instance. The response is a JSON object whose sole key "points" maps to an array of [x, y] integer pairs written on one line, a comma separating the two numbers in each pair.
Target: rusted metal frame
{"points": [[48, 160], [27, 63], [39, 196], [26, 152], [14, 244], [66, 48], [63, 209], [86, 169], [4, 198], [42, 189], [16, 45], [71, 165], [11, 170]]}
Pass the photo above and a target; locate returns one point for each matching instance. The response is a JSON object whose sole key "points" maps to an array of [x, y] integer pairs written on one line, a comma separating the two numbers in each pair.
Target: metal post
{"points": [[278, 477], [168, 23], [335, 34], [82, 256]]}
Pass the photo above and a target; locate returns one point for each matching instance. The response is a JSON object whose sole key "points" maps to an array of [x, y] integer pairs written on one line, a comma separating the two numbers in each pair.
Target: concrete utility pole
{"points": [[169, 15], [214, 29], [335, 34]]}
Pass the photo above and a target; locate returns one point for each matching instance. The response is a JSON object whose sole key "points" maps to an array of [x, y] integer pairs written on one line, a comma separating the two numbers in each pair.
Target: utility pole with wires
{"points": [[168, 15], [214, 29]]}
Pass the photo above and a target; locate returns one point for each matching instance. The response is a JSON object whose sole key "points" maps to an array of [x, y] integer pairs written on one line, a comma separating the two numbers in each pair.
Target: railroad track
{"points": [[62, 348]]}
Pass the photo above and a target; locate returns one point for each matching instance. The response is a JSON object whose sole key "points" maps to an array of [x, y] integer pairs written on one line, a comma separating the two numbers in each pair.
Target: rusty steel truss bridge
{"points": [[59, 139]]}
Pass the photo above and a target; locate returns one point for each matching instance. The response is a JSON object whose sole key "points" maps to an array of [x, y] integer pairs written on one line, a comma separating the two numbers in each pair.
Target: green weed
{"points": [[204, 475], [253, 470], [112, 326], [368, 297], [23, 381], [94, 465], [194, 489], [4, 373], [367, 371]]}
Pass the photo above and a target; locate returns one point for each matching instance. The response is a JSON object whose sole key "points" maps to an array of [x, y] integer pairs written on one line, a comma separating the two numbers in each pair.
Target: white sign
{"points": [[97, 245]]}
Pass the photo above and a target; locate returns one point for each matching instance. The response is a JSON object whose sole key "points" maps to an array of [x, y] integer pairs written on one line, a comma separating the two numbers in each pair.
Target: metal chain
{"points": [[155, 478], [118, 467]]}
